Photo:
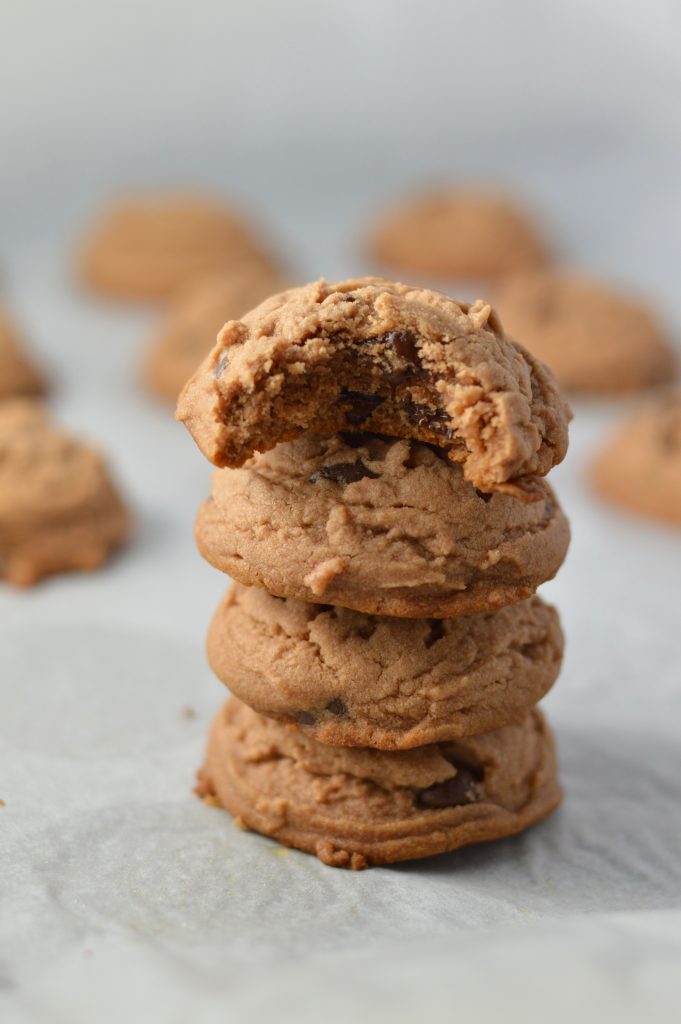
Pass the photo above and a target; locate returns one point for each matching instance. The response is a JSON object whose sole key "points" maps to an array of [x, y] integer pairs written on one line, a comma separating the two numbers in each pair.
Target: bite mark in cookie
{"points": [[368, 354]]}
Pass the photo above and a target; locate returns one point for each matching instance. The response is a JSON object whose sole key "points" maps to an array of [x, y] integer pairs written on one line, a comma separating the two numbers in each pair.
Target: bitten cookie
{"points": [[18, 376], [190, 328], [381, 525], [639, 468], [594, 339], [354, 807], [58, 508], [149, 247], [457, 235], [368, 354], [360, 680]]}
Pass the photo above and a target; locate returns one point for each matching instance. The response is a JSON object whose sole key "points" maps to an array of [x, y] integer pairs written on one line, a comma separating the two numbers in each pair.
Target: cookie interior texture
{"points": [[191, 326], [149, 247], [369, 354], [353, 806], [18, 375], [595, 339], [59, 509], [458, 234], [639, 467], [353, 679], [384, 526]]}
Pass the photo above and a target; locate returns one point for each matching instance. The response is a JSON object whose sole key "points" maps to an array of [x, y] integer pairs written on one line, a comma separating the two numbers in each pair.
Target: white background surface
{"points": [[122, 896]]}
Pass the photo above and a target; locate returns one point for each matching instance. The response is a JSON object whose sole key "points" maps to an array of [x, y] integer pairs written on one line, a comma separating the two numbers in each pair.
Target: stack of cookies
{"points": [[380, 501]]}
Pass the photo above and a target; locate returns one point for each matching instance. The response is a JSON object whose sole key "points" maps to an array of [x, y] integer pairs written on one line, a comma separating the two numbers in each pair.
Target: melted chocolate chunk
{"points": [[353, 440], [221, 365], [337, 707], [462, 789], [403, 344], [361, 405], [429, 419], [305, 718], [482, 494], [344, 473], [436, 632]]}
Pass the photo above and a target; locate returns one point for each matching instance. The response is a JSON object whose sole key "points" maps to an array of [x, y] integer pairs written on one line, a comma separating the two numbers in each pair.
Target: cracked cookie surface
{"points": [[639, 467], [369, 354], [346, 678], [595, 339], [381, 525], [354, 807], [59, 510]]}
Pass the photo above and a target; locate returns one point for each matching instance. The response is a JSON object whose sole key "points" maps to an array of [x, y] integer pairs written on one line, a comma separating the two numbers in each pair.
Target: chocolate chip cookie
{"points": [[354, 807], [58, 507], [150, 247], [368, 354], [18, 376], [381, 525], [639, 468], [454, 235], [360, 680], [190, 328], [595, 339]]}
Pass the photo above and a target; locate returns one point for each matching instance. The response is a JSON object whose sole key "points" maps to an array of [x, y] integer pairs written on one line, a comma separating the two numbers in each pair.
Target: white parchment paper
{"points": [[122, 897]]}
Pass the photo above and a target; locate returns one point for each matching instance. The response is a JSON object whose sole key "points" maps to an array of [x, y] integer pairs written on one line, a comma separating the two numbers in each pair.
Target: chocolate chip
{"points": [[337, 707], [549, 508], [353, 440], [454, 792], [366, 630], [426, 418], [403, 344], [436, 632], [221, 365], [344, 473], [305, 718], [361, 406], [418, 414], [481, 494]]}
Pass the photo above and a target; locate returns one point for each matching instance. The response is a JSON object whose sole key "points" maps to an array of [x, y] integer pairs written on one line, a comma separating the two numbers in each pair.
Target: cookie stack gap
{"points": [[383, 642]]}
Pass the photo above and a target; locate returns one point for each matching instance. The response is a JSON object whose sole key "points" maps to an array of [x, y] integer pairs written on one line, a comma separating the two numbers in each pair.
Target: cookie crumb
{"points": [[323, 574]]}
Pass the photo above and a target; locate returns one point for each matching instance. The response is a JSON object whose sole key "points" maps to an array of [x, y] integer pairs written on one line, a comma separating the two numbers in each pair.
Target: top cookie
{"points": [[17, 375], [150, 247], [640, 466], [367, 354], [189, 329], [458, 235], [594, 339]]}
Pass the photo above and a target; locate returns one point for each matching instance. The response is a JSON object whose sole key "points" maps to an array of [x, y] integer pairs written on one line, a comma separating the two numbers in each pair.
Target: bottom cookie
{"points": [[354, 806]]}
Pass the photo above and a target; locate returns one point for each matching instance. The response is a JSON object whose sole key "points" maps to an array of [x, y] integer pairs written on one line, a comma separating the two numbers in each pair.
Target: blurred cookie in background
{"points": [[639, 467], [458, 235], [190, 328], [18, 375], [150, 247], [59, 509], [595, 339]]}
